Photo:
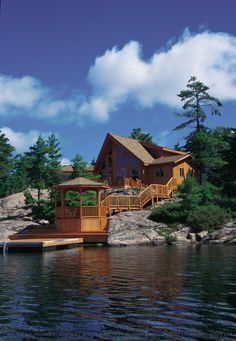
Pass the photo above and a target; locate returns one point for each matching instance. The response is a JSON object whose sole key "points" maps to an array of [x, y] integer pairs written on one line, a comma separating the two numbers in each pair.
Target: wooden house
{"points": [[123, 159]]}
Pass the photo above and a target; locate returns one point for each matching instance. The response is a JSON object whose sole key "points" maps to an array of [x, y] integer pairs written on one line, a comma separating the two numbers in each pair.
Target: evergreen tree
{"points": [[6, 151], [37, 166], [139, 135], [53, 165], [207, 150], [19, 180], [79, 166], [196, 101]]}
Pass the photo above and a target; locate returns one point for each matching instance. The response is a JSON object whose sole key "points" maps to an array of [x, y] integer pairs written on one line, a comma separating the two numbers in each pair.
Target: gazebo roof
{"points": [[82, 183]]}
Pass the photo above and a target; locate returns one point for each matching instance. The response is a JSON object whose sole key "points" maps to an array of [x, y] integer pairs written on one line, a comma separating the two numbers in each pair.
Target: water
{"points": [[133, 293]]}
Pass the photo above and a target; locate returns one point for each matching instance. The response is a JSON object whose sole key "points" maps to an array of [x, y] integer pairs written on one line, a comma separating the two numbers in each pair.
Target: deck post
{"points": [[62, 204], [99, 207], [81, 208]]}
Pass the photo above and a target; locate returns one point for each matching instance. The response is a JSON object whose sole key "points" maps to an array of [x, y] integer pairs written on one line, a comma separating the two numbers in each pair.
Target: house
{"points": [[123, 157]]}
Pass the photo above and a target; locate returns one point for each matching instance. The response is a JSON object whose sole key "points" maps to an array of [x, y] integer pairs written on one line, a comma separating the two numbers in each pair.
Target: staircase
{"points": [[150, 194]]}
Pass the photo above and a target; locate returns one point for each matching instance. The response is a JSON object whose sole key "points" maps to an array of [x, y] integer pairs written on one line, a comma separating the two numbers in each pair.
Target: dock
{"points": [[39, 245]]}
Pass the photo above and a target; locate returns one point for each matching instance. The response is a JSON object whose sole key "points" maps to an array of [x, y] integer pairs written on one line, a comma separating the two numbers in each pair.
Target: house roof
{"points": [[67, 168], [140, 150], [135, 147], [82, 182], [170, 159]]}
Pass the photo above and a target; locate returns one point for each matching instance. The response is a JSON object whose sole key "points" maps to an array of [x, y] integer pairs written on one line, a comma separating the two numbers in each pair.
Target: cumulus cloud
{"points": [[22, 141], [28, 96], [122, 76]]}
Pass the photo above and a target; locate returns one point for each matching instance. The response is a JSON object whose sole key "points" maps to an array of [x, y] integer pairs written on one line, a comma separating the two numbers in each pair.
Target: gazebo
{"points": [[74, 214]]}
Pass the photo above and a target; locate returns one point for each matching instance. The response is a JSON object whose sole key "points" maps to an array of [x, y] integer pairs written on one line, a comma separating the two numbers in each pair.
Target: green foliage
{"points": [[207, 150], [195, 98], [53, 163], [6, 151], [139, 135], [46, 211], [79, 165], [206, 217], [72, 198], [169, 213], [190, 193]]}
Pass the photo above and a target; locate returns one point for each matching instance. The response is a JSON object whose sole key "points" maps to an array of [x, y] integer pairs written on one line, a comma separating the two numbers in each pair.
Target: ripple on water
{"points": [[136, 293]]}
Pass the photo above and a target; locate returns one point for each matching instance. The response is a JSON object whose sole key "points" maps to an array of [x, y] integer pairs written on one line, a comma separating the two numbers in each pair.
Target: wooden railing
{"points": [[129, 202], [129, 182]]}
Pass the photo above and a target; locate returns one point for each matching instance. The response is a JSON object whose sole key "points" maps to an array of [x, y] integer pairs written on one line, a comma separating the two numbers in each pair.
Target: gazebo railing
{"points": [[73, 212]]}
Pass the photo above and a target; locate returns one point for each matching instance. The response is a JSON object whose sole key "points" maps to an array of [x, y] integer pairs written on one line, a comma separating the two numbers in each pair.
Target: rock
{"points": [[192, 237], [43, 222], [134, 227], [9, 227], [27, 219], [182, 233], [200, 235]]}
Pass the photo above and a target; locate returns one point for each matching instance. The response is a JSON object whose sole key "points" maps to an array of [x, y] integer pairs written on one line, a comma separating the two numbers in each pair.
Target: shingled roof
{"points": [[82, 182], [135, 147], [170, 159]]}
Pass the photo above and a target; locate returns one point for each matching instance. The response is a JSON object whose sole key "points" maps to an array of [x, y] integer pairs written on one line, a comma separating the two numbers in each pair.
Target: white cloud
{"points": [[123, 75], [65, 162], [22, 141]]}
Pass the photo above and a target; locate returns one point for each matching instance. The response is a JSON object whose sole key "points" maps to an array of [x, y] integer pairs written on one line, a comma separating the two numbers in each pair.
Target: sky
{"points": [[83, 68]]}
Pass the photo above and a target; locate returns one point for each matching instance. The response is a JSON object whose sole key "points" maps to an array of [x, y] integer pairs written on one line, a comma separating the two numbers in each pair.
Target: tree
{"points": [[196, 101], [139, 135], [6, 151], [79, 165], [53, 165], [207, 151], [37, 166]]}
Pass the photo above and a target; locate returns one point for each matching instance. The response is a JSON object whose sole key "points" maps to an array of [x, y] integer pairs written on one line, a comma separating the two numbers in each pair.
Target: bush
{"points": [[207, 217], [169, 213], [46, 211]]}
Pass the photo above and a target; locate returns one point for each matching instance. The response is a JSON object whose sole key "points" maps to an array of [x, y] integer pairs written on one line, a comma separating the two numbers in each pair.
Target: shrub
{"points": [[169, 213], [206, 217], [46, 210]]}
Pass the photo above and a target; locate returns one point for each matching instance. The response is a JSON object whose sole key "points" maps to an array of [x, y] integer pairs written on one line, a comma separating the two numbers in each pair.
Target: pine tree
{"points": [[37, 166], [139, 135], [6, 151], [79, 165], [53, 165], [197, 101]]}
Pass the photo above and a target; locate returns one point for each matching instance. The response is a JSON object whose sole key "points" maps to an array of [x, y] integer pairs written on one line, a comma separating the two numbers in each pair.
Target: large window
{"points": [[159, 172]]}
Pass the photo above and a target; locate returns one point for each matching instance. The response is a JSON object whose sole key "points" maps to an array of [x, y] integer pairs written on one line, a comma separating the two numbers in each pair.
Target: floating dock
{"points": [[39, 245]]}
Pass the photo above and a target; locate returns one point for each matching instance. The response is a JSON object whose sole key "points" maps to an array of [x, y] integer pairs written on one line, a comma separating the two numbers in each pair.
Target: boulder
{"points": [[134, 227], [200, 235]]}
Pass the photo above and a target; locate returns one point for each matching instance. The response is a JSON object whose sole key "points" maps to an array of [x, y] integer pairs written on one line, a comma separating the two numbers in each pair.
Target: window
{"points": [[181, 170], [159, 172]]}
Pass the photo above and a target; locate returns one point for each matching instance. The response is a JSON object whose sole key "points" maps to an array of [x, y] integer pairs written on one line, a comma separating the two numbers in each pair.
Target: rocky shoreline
{"points": [[134, 228], [126, 228]]}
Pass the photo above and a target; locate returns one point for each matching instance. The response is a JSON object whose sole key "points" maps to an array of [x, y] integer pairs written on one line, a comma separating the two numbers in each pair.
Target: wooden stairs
{"points": [[151, 194]]}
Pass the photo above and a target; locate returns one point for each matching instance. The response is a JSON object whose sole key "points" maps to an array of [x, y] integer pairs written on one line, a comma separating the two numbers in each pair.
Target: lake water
{"points": [[129, 293]]}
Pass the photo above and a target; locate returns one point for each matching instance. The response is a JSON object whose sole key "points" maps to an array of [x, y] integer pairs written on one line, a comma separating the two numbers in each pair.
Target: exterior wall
{"points": [[176, 171], [123, 164], [152, 178]]}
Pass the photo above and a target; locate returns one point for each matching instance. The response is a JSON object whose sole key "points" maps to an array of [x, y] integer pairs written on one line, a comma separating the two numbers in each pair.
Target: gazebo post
{"points": [[81, 207], [62, 204], [99, 207]]}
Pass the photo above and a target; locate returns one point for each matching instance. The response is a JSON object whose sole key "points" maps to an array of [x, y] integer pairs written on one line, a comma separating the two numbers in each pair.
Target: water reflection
{"points": [[172, 292]]}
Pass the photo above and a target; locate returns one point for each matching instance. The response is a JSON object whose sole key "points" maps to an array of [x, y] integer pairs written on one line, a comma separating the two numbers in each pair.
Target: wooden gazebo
{"points": [[80, 218]]}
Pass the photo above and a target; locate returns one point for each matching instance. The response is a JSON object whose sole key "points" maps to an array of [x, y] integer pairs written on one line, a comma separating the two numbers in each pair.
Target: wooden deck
{"points": [[39, 244]]}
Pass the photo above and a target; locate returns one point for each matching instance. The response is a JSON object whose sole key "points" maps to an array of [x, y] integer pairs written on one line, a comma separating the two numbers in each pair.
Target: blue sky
{"points": [[84, 68]]}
